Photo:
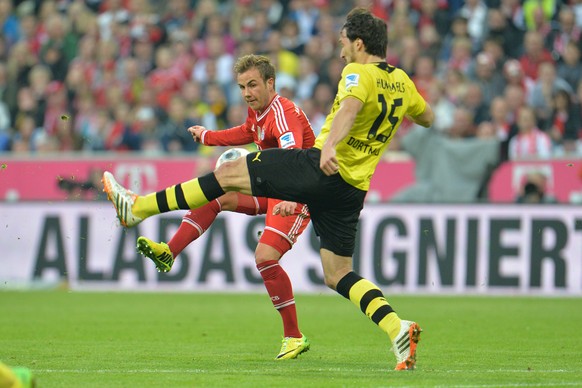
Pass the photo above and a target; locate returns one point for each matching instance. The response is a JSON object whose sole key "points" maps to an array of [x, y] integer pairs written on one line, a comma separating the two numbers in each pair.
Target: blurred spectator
{"points": [[217, 66], [18, 67], [430, 41], [459, 29], [456, 84], [514, 75], [399, 27], [565, 122], [144, 50], [503, 29], [534, 189], [540, 96], [442, 107], [577, 8], [177, 16], [9, 23], [26, 134], [530, 142], [447, 170], [463, 125], [564, 31], [534, 54], [514, 99], [218, 104], [198, 109], [499, 118], [494, 49], [5, 114], [305, 14], [489, 81], [473, 101], [424, 74], [114, 12], [290, 37], [285, 61], [475, 11], [123, 135], [409, 54], [537, 13], [461, 57], [432, 14], [569, 68], [174, 136], [59, 38], [308, 79]]}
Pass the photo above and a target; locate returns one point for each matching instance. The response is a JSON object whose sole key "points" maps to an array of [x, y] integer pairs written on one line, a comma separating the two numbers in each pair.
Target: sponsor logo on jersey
{"points": [[257, 157], [287, 140], [352, 80]]}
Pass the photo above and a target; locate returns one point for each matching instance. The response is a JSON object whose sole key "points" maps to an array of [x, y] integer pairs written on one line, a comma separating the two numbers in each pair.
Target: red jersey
{"points": [[281, 125]]}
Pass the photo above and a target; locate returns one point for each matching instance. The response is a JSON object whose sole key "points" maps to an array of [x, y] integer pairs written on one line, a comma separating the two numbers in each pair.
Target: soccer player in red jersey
{"points": [[272, 122]]}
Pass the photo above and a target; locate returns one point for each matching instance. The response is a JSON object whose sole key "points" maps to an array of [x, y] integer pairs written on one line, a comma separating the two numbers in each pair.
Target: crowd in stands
{"points": [[131, 75]]}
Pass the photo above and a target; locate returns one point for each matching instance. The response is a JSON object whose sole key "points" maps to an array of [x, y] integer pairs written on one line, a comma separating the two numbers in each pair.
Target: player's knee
{"points": [[265, 252], [232, 175]]}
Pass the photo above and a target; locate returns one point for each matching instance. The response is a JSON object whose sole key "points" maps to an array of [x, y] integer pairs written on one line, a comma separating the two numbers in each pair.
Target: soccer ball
{"points": [[231, 155]]}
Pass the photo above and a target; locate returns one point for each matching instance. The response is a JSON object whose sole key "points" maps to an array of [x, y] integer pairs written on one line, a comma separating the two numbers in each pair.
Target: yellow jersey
{"points": [[388, 95]]}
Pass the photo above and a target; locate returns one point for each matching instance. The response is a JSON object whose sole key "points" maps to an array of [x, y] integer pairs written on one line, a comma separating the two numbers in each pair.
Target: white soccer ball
{"points": [[231, 155]]}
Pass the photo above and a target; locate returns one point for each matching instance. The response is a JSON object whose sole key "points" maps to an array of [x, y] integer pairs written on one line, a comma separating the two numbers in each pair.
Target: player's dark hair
{"points": [[361, 24], [260, 62]]}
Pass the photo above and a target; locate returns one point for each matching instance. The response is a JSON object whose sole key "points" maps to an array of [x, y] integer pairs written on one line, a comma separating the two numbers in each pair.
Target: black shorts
{"points": [[294, 175]]}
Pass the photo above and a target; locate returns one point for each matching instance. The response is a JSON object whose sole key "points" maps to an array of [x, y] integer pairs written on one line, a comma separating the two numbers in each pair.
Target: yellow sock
{"points": [[391, 325], [187, 195], [370, 299]]}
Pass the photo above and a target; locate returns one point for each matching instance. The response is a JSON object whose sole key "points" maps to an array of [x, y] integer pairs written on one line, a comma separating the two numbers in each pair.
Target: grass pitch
{"points": [[74, 339]]}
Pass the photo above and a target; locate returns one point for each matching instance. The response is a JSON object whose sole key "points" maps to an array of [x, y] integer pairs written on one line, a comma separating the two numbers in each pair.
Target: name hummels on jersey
{"points": [[391, 86]]}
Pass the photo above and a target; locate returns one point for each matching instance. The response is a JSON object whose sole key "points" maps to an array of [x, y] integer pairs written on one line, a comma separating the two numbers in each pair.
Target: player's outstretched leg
{"points": [[132, 208]]}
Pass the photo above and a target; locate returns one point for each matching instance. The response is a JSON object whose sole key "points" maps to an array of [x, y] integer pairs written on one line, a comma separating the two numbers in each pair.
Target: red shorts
{"points": [[282, 232]]}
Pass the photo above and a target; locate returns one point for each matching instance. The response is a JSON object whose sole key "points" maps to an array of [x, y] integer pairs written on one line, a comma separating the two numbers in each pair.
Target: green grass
{"points": [[73, 339]]}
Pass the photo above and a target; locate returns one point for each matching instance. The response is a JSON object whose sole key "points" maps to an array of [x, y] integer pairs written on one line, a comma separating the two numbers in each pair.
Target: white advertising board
{"points": [[449, 249]]}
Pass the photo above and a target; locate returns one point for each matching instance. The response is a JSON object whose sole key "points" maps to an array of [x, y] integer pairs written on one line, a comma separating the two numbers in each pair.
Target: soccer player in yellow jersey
{"points": [[332, 178]]}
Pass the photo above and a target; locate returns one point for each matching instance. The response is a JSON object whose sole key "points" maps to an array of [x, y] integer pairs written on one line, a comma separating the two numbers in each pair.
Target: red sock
{"points": [[194, 223], [281, 292]]}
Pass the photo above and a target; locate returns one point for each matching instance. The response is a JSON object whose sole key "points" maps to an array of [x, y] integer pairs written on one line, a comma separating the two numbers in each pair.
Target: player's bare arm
{"points": [[340, 127], [426, 118]]}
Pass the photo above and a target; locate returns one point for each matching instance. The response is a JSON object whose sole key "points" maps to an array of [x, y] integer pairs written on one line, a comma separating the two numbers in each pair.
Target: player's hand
{"points": [[328, 162], [285, 208], [196, 132]]}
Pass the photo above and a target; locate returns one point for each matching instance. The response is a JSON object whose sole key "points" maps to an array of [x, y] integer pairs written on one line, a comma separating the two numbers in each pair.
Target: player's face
{"points": [[256, 92], [347, 51]]}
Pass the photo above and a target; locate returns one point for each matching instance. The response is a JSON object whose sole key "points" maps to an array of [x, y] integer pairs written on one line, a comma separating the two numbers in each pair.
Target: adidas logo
{"points": [[403, 343], [165, 258]]}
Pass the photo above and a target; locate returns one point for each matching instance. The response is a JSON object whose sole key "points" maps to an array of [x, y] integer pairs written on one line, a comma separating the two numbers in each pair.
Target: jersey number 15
{"points": [[392, 119]]}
